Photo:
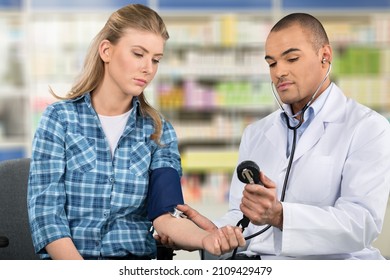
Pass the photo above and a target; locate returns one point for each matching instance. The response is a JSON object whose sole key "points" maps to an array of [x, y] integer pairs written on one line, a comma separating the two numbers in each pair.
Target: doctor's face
{"points": [[295, 66]]}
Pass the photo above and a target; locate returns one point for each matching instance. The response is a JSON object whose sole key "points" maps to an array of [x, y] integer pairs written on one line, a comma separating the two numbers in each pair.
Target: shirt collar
{"points": [[313, 109], [87, 97]]}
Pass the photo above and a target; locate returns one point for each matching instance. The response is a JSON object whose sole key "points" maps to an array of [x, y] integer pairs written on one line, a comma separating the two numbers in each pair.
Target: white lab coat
{"points": [[338, 188]]}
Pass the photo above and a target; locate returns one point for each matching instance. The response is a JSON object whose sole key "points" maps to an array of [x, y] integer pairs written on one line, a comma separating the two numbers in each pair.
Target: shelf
{"points": [[9, 91], [213, 71], [11, 148], [12, 142], [209, 161]]}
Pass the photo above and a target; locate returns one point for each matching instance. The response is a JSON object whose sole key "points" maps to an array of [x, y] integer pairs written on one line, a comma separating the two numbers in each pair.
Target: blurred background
{"points": [[212, 82]]}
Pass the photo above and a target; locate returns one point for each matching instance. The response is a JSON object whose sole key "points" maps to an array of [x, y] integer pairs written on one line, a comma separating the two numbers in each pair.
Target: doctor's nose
{"points": [[279, 72]]}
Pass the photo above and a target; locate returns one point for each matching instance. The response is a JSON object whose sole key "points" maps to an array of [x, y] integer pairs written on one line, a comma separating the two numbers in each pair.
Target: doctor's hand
{"points": [[261, 205], [197, 218]]}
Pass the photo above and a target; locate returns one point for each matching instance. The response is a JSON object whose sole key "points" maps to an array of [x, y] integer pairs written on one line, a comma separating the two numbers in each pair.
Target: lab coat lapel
{"points": [[332, 111], [277, 136], [310, 137]]}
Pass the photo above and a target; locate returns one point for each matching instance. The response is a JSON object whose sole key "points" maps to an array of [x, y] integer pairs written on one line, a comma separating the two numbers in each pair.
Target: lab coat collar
{"points": [[333, 111]]}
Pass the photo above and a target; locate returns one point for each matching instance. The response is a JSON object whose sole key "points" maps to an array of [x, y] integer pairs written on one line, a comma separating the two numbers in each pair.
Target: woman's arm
{"points": [[187, 235], [63, 249]]}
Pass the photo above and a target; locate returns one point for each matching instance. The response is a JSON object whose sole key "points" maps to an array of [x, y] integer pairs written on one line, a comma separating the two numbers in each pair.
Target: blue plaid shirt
{"points": [[78, 190]]}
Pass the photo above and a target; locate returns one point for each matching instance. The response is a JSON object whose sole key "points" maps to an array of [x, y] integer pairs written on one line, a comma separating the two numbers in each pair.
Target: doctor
{"points": [[326, 188]]}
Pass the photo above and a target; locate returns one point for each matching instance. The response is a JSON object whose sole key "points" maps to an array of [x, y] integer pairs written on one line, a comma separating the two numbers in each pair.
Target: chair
{"points": [[15, 235], [14, 225]]}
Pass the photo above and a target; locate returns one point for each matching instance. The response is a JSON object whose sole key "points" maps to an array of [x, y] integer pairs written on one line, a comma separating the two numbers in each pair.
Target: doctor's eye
{"points": [[271, 64], [293, 59]]}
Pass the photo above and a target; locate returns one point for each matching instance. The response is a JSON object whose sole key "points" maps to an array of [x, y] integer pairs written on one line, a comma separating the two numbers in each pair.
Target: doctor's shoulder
{"points": [[365, 121], [362, 113]]}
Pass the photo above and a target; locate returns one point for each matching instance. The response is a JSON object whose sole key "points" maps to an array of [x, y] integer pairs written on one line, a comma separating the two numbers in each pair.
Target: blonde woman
{"points": [[105, 167]]}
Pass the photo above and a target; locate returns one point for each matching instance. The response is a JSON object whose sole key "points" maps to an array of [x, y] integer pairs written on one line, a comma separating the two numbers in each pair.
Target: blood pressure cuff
{"points": [[164, 192]]}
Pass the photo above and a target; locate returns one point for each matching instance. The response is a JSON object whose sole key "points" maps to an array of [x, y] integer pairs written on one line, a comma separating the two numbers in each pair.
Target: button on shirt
{"points": [[77, 189]]}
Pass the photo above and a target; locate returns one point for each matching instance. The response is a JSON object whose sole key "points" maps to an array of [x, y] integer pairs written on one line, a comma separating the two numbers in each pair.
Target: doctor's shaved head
{"points": [[316, 32]]}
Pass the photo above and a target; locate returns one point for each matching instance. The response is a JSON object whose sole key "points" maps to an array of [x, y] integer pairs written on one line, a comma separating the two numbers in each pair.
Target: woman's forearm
{"points": [[63, 249]]}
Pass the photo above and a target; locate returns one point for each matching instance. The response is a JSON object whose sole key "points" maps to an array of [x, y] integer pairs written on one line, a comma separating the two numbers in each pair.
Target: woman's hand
{"points": [[192, 215], [216, 241], [223, 240]]}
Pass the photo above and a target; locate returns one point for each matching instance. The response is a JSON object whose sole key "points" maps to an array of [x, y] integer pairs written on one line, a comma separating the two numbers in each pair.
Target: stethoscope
{"points": [[302, 111], [287, 116]]}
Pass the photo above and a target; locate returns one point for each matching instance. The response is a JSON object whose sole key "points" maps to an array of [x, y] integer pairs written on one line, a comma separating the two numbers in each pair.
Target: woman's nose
{"points": [[147, 67]]}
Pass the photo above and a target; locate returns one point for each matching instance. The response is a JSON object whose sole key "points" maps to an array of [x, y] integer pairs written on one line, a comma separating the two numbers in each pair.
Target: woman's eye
{"points": [[155, 61], [271, 65], [138, 54]]}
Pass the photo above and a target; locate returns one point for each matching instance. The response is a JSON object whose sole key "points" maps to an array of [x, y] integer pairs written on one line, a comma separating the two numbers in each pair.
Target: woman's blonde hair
{"points": [[134, 16]]}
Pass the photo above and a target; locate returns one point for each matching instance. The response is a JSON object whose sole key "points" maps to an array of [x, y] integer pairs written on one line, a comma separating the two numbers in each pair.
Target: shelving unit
{"points": [[14, 130], [55, 60]]}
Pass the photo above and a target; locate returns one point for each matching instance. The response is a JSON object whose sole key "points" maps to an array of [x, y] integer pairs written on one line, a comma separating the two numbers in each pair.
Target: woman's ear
{"points": [[104, 50]]}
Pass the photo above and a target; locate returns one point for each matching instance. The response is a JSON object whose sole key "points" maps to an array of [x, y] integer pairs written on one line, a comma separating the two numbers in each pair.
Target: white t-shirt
{"points": [[113, 127]]}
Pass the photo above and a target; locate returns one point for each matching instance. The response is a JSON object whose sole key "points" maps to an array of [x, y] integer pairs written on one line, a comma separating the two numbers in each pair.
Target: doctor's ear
{"points": [[326, 54], [104, 50]]}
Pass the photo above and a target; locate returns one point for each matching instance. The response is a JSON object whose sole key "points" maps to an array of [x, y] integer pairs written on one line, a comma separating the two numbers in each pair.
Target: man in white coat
{"points": [[333, 202]]}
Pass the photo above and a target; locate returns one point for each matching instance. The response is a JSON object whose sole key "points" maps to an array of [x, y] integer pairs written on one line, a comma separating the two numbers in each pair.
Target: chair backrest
{"points": [[14, 223]]}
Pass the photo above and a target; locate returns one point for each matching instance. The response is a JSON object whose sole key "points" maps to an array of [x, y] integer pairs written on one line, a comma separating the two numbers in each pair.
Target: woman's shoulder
{"points": [[62, 109], [59, 105]]}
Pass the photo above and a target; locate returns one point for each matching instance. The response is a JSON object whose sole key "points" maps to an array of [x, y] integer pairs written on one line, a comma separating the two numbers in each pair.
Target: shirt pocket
{"points": [[80, 153], [140, 159]]}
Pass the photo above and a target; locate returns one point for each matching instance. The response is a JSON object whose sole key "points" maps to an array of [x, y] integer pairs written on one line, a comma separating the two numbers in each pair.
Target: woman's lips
{"points": [[140, 82]]}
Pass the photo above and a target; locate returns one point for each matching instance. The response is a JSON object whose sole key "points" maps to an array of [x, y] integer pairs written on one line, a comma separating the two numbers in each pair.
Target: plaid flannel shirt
{"points": [[78, 190]]}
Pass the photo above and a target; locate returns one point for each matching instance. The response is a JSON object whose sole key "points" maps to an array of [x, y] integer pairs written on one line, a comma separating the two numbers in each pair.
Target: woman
{"points": [[105, 165]]}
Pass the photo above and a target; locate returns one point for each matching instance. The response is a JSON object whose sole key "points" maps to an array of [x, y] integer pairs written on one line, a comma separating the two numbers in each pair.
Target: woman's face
{"points": [[131, 64]]}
